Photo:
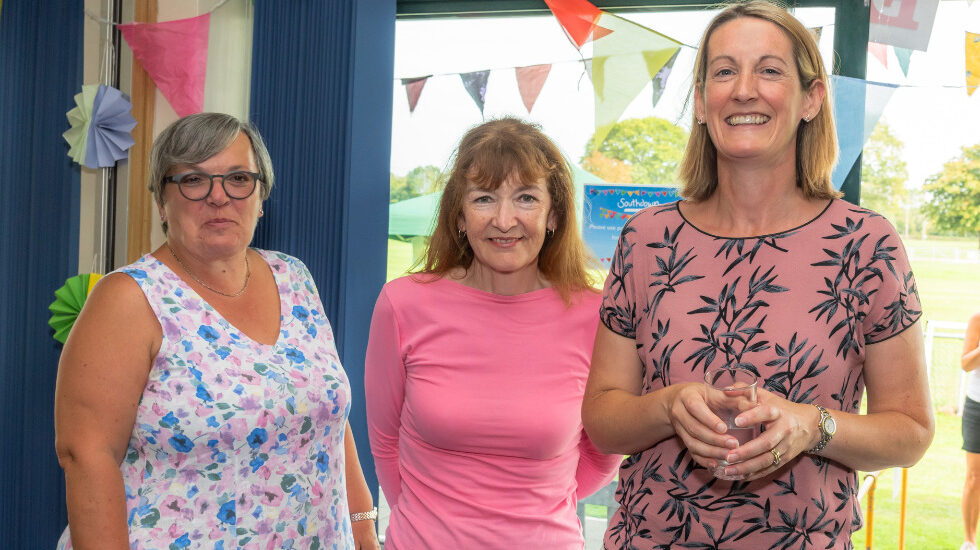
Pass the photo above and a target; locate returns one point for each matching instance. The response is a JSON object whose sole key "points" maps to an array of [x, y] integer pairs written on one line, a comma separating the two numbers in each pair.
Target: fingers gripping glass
{"points": [[196, 186]]}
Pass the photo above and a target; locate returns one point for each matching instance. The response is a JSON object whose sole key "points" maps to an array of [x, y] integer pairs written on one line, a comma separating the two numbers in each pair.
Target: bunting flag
{"points": [[175, 55], [624, 60], [880, 51], [902, 23], [530, 80], [576, 17], [660, 80], [476, 85], [904, 56], [853, 96], [972, 62], [413, 87]]}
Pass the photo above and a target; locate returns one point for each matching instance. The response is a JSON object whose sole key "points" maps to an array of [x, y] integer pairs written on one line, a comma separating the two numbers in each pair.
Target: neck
{"points": [[757, 199], [481, 277], [220, 276]]}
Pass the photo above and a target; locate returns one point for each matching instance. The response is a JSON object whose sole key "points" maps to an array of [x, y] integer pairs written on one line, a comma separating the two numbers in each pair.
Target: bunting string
{"points": [[95, 17]]}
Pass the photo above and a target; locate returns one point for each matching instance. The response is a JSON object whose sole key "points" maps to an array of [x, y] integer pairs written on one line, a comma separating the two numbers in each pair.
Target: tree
{"points": [[651, 147], [398, 188], [611, 170], [884, 175], [954, 194], [423, 180], [420, 180]]}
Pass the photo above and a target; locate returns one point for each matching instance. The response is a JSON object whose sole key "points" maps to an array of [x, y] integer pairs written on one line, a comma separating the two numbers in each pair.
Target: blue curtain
{"points": [[40, 64], [321, 97]]}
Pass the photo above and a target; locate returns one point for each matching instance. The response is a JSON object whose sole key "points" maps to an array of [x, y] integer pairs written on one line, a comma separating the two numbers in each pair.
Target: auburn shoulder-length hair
{"points": [[487, 155], [816, 140]]}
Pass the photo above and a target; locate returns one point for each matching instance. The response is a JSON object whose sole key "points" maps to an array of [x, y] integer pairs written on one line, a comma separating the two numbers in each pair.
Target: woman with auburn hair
{"points": [[476, 364], [760, 268]]}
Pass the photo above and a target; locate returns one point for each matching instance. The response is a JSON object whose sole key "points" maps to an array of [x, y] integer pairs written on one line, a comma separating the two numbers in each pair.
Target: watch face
{"points": [[830, 425]]}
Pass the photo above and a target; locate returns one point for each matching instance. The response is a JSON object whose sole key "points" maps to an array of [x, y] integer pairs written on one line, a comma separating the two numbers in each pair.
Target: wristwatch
{"points": [[827, 426]]}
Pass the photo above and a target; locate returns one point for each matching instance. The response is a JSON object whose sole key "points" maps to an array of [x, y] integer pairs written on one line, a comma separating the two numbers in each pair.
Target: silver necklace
{"points": [[248, 275]]}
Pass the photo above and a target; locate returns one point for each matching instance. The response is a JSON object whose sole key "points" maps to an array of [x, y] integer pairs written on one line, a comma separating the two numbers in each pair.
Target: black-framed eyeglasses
{"points": [[196, 186]]}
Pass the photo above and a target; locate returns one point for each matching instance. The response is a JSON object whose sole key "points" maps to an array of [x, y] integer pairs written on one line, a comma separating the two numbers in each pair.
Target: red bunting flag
{"points": [[530, 80], [175, 55], [413, 87], [880, 51], [577, 17]]}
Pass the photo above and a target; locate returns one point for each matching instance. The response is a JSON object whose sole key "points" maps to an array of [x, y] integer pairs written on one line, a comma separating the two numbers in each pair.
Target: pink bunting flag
{"points": [[175, 55], [880, 51], [413, 87], [530, 80], [476, 85]]}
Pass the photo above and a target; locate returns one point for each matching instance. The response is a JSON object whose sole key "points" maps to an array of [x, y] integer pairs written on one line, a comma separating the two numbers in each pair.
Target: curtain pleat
{"points": [[321, 97], [40, 71]]}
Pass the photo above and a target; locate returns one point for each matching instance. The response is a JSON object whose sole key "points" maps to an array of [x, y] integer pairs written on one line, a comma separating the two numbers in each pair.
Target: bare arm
{"points": [[971, 345], [613, 393], [101, 375], [358, 496], [896, 431]]}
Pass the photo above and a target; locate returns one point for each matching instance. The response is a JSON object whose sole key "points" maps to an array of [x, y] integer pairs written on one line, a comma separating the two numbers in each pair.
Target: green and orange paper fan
{"points": [[68, 302]]}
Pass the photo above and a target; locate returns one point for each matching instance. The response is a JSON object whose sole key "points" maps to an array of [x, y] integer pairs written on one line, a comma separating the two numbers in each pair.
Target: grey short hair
{"points": [[194, 139]]}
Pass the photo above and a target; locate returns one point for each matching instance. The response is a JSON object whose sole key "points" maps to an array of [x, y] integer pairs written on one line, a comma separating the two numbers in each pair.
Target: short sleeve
{"points": [[894, 304], [618, 310]]}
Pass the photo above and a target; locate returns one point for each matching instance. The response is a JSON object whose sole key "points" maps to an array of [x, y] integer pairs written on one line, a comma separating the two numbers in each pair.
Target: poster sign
{"points": [[902, 23], [606, 207]]}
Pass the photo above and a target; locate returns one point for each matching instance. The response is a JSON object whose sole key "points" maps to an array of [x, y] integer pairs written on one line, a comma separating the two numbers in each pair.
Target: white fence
{"points": [[947, 381]]}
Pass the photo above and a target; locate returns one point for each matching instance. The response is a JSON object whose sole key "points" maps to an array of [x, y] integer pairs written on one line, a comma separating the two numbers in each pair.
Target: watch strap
{"points": [[824, 434]]}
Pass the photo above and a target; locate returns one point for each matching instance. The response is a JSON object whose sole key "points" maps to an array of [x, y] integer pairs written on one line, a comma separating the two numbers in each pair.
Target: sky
{"points": [[930, 111]]}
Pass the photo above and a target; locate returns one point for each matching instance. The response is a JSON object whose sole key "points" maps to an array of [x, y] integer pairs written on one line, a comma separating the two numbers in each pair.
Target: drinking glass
{"points": [[729, 391]]}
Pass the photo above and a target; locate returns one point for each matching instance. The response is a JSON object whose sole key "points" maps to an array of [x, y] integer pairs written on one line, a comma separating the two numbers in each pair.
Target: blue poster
{"points": [[606, 207]]}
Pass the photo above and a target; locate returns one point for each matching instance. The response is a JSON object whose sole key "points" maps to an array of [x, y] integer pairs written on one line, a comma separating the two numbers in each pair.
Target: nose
{"points": [[505, 217], [745, 86], [217, 196]]}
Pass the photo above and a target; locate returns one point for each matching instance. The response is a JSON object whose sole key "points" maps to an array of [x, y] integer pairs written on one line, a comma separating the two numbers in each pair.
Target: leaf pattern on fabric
{"points": [[798, 308]]}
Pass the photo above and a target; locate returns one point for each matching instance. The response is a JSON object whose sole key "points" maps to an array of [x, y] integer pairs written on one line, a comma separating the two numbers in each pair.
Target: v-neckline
{"points": [[214, 311]]}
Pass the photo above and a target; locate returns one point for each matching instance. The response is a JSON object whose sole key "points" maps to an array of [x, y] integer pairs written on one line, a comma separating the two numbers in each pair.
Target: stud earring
{"points": [[700, 121], [806, 118], [261, 212]]}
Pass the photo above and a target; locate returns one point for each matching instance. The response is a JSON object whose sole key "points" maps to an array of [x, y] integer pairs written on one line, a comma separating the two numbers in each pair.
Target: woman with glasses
{"points": [[200, 400]]}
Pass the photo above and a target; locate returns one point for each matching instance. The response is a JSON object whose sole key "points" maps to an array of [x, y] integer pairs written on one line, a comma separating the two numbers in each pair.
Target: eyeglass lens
{"points": [[197, 185]]}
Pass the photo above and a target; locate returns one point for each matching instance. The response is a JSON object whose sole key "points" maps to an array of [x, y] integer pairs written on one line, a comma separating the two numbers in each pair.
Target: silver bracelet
{"points": [[371, 514]]}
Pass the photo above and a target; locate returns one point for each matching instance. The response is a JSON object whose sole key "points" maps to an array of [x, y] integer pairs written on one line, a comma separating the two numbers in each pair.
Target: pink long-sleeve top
{"points": [[474, 415]]}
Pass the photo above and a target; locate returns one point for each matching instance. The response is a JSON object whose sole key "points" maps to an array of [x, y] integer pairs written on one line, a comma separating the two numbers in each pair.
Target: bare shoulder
{"points": [[116, 313]]}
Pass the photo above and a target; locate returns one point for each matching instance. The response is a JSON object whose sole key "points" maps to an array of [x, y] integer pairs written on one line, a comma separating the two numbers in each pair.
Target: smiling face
{"points": [[217, 226], [753, 102], [506, 226]]}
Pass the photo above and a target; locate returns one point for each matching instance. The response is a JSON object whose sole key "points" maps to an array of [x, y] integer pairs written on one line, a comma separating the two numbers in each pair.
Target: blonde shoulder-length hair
{"points": [[816, 140], [487, 155]]}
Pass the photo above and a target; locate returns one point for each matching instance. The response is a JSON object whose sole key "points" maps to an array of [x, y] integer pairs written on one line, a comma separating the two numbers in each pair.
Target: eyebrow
{"points": [[731, 59]]}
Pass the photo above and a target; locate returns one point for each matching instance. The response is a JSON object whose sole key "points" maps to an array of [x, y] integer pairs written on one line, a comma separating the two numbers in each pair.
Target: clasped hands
{"points": [[790, 428]]}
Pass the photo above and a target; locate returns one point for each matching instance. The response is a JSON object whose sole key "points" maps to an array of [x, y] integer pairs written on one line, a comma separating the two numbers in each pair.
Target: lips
{"points": [[740, 120], [504, 241], [220, 221]]}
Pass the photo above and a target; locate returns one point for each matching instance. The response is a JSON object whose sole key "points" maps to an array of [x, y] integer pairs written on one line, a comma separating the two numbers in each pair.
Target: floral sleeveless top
{"points": [[797, 307], [237, 444]]}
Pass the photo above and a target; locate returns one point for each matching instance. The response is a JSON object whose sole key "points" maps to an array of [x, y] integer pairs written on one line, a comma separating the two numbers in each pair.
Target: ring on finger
{"points": [[775, 456]]}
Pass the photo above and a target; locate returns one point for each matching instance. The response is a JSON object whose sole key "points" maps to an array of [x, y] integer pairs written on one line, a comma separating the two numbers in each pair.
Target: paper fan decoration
{"points": [[101, 126], [68, 302]]}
